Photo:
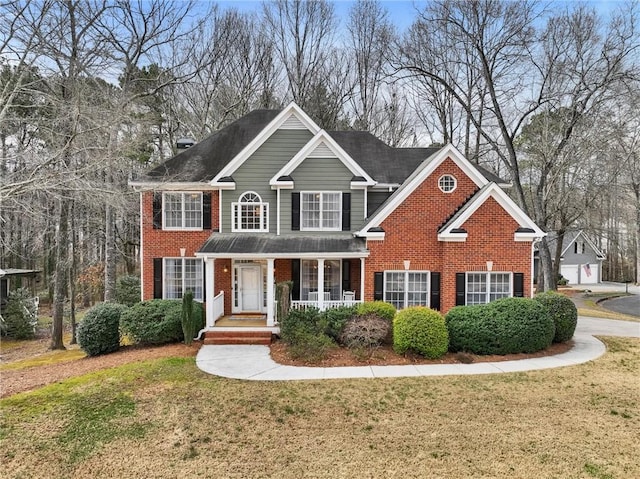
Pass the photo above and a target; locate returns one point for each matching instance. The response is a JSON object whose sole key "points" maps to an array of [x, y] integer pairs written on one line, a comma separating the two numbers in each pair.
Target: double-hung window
{"points": [[406, 288], [482, 288], [250, 213], [321, 211], [182, 210], [181, 275]]}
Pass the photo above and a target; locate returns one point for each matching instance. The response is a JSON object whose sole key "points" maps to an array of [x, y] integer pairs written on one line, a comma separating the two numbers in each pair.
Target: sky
{"points": [[401, 12]]}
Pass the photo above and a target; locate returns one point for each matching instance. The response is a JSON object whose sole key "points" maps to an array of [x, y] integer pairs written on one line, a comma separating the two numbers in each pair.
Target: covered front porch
{"points": [[241, 273]]}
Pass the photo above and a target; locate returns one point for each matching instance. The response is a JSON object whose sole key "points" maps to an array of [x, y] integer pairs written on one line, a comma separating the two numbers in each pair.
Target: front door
{"points": [[250, 288]]}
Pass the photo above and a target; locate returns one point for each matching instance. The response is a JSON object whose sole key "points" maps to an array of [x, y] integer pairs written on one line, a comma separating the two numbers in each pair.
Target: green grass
{"points": [[165, 418]]}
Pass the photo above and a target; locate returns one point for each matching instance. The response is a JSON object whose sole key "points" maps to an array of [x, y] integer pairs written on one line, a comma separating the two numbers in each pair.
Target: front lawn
{"points": [[165, 418]]}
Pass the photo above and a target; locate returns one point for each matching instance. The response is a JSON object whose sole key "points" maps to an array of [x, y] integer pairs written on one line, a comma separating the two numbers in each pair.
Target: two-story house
{"points": [[342, 215]]}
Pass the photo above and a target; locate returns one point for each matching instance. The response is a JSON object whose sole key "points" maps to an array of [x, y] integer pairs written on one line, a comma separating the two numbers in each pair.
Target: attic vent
{"points": [[322, 151], [293, 123]]}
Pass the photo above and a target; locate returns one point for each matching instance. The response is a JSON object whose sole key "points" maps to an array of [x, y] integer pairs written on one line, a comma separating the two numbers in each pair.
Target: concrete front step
{"points": [[237, 337]]}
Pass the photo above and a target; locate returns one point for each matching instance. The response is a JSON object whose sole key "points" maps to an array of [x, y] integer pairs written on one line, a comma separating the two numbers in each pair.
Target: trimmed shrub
{"points": [[158, 321], [303, 330], [505, 326], [379, 308], [188, 318], [336, 318], [20, 318], [128, 290], [563, 312], [421, 330], [99, 331], [365, 332]]}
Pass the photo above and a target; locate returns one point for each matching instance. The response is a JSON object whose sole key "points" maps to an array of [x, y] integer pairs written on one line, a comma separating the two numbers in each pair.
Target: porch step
{"points": [[237, 337]]}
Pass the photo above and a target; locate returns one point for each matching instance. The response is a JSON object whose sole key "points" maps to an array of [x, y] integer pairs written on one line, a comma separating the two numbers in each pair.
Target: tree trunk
{"points": [[110, 258], [60, 276], [549, 283]]}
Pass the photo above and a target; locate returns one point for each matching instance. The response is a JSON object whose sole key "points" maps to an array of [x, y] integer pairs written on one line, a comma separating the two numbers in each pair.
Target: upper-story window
{"points": [[578, 247], [321, 210], [182, 210], [447, 183], [250, 213]]}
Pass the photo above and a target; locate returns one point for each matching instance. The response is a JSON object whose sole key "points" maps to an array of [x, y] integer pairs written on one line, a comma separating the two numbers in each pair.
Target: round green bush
{"points": [[563, 312], [20, 318], [128, 290], [368, 331], [505, 326], [379, 308], [157, 321], [99, 331], [421, 330]]}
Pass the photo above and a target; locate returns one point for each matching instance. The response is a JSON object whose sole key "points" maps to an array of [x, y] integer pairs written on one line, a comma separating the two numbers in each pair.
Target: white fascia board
{"points": [[224, 185], [282, 185], [283, 255], [338, 151], [264, 135], [453, 237], [526, 237], [503, 200], [423, 171], [377, 236], [169, 186]]}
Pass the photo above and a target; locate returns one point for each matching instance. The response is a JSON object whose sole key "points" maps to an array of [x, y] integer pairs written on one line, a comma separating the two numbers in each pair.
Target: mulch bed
{"points": [[385, 356]]}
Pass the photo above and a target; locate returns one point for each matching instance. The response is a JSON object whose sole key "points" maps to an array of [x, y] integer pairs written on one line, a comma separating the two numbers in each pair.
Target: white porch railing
{"points": [[218, 309], [330, 304]]}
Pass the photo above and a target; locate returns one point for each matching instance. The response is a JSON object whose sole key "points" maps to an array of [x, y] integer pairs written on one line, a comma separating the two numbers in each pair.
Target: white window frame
{"points": [[445, 178], [321, 219], [198, 294], [183, 212], [489, 295], [406, 291], [236, 213]]}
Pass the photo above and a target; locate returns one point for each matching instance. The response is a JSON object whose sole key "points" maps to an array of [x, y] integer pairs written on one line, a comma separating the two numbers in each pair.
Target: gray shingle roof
{"points": [[264, 244], [205, 159]]}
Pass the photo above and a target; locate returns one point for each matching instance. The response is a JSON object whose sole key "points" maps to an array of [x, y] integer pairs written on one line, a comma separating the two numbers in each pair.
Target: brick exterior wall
{"points": [[411, 233], [157, 243]]}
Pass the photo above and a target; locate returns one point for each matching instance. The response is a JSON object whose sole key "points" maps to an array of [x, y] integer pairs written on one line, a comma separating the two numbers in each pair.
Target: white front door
{"points": [[250, 288]]}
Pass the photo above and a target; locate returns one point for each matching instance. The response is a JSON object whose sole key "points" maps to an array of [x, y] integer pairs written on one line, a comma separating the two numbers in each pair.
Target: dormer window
{"points": [[447, 183], [250, 213]]}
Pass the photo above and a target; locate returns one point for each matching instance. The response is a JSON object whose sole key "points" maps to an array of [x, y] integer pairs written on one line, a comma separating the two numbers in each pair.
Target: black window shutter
{"points": [[157, 211], [518, 285], [157, 278], [295, 277], [378, 286], [434, 301], [206, 211], [346, 211], [346, 275], [295, 213], [460, 289]]}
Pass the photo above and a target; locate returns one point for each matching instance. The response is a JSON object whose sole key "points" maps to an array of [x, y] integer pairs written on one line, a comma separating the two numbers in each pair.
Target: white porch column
{"points": [[210, 275], [321, 284], [362, 279], [271, 290]]}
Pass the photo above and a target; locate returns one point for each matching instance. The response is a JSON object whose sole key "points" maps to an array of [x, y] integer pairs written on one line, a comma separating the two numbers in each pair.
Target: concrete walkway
{"points": [[255, 363]]}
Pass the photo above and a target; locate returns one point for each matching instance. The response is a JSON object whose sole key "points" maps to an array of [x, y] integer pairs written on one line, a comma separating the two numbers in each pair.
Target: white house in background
{"points": [[580, 259]]}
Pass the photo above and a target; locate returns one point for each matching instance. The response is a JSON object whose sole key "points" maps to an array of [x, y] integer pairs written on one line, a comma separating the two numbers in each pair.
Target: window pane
{"points": [[173, 278], [331, 213], [394, 289], [193, 277], [333, 279], [418, 287], [309, 278], [173, 210], [310, 210], [500, 286], [192, 210], [476, 288]]}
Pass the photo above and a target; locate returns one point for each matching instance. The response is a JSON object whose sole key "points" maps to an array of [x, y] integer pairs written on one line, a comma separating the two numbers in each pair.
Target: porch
{"points": [[325, 272]]}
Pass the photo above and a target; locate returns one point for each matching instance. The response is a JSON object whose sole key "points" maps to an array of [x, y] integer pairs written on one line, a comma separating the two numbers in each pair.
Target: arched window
{"points": [[250, 213]]}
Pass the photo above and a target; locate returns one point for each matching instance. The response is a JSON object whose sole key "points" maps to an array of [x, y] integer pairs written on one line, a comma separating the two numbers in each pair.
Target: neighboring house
{"points": [[345, 217], [12, 278], [580, 258]]}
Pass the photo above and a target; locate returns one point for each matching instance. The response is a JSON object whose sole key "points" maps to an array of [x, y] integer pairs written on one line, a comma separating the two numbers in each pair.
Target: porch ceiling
{"points": [[238, 245]]}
